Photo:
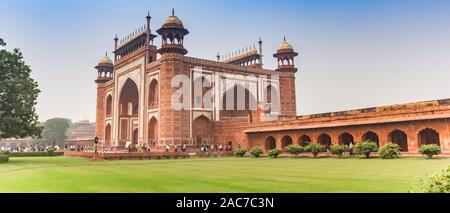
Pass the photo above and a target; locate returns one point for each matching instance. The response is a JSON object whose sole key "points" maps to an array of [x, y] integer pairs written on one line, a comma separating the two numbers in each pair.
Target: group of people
{"points": [[183, 148], [78, 147], [29, 148], [137, 147], [214, 147]]}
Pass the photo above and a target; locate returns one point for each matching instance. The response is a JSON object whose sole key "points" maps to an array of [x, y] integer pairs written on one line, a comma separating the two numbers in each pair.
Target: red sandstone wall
{"points": [[232, 129], [411, 128]]}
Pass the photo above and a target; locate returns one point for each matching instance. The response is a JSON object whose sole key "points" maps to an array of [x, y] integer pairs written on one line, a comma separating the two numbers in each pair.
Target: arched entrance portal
{"points": [[345, 139], [304, 140], [128, 110], [400, 138], [271, 143], [428, 136], [152, 131], [202, 130], [325, 140], [286, 141]]}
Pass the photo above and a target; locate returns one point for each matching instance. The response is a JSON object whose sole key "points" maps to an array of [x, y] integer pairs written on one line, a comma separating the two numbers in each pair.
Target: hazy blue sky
{"points": [[353, 54]]}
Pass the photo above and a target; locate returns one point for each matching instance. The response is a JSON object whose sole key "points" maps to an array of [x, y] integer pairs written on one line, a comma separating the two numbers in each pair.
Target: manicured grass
{"points": [[64, 174]]}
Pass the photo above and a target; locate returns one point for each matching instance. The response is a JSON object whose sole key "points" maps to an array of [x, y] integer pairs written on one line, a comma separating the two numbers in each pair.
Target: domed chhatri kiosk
{"points": [[135, 104]]}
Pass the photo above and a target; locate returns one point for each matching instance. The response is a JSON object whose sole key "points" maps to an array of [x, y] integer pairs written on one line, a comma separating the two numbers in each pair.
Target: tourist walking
{"points": [[350, 149]]}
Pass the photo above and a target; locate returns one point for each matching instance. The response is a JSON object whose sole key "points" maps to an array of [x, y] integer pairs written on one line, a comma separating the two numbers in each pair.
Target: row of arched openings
{"points": [[425, 136]]}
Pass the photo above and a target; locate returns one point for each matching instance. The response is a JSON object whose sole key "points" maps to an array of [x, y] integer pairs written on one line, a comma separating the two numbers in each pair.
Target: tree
{"points": [[435, 183], [256, 151], [274, 153], [18, 94], [294, 149], [338, 150], [390, 151], [365, 148], [55, 130], [315, 149], [430, 150]]}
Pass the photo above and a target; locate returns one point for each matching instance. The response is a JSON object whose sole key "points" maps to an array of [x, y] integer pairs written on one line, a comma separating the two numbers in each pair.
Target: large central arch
{"points": [[128, 110]]}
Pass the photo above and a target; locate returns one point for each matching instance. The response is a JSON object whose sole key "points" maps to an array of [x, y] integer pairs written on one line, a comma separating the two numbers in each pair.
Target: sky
{"points": [[352, 53]]}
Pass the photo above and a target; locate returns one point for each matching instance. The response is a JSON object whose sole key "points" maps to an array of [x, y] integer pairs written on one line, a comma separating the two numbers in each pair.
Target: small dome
{"points": [[173, 21], [285, 46], [105, 60]]}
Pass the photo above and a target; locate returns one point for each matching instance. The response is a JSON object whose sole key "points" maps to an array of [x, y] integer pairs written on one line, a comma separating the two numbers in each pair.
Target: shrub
{"points": [[294, 149], [436, 183], [240, 152], [430, 150], [390, 151], [274, 153], [315, 148], [5, 152], [4, 158], [338, 150], [35, 154], [256, 151], [365, 148]]}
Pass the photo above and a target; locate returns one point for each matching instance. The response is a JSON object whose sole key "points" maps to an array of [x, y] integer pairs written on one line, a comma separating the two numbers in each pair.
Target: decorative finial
{"points": [[106, 54], [173, 11], [284, 37]]}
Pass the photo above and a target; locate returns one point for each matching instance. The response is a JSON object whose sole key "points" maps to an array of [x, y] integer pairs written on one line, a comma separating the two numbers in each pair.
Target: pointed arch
{"points": [[428, 136], [399, 137], [109, 106], [202, 130], [286, 141], [346, 138], [304, 140], [271, 143], [153, 94], [371, 136], [324, 139]]}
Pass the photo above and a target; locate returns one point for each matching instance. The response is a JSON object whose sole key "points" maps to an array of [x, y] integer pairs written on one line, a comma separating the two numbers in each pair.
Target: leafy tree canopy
{"points": [[18, 94]]}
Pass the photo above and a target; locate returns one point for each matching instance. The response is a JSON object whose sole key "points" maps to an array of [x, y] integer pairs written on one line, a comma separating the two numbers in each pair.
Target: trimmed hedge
{"points": [[4, 158], [240, 152], [256, 152], [35, 154], [274, 153]]}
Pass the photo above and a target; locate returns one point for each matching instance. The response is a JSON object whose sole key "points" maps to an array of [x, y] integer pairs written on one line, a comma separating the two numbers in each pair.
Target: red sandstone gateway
{"points": [[135, 101]]}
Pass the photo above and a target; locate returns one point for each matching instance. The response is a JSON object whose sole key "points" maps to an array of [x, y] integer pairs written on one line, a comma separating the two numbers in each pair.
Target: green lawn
{"points": [[64, 174]]}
